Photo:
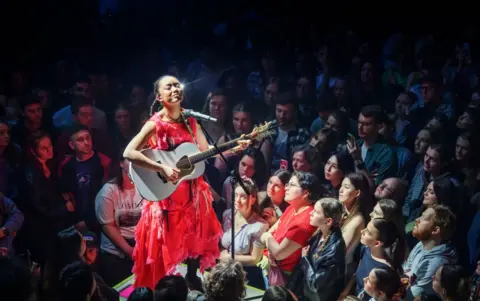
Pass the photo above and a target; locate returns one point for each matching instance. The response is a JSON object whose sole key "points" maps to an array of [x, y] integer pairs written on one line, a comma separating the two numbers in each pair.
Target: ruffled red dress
{"points": [[182, 226]]}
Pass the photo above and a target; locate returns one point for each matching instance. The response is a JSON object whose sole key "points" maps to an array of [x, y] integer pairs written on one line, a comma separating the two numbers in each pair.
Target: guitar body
{"points": [[151, 185]]}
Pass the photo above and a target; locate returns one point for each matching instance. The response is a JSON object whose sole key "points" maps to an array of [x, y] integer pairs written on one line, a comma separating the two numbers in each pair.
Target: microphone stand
{"points": [[234, 179]]}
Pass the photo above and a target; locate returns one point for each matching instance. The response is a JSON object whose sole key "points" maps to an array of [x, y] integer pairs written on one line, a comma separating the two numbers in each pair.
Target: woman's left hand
{"points": [[224, 255], [264, 237], [243, 144]]}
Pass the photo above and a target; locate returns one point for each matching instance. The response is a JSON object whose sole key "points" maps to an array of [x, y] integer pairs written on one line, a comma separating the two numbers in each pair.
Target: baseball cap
{"points": [[90, 238]]}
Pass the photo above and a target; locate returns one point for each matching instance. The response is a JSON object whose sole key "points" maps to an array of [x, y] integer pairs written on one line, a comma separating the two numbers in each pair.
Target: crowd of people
{"points": [[368, 189]]}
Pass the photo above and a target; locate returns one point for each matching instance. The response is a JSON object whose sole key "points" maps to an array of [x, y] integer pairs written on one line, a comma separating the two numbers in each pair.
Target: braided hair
{"points": [[156, 103]]}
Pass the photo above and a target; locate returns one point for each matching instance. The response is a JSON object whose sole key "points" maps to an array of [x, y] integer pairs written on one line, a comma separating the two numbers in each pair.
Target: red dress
{"points": [[182, 226]]}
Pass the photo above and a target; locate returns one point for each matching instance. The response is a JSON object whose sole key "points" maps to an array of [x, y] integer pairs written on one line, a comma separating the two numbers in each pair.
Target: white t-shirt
{"points": [[124, 208]]}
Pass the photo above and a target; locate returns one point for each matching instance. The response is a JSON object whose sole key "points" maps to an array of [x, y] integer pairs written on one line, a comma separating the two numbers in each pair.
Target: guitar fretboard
{"points": [[206, 154]]}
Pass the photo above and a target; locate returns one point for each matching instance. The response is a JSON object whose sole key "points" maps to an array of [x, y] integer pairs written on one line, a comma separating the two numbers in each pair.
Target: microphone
{"points": [[192, 113]]}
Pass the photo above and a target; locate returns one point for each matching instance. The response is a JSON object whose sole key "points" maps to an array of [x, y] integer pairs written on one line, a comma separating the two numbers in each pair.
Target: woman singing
{"points": [[182, 226]]}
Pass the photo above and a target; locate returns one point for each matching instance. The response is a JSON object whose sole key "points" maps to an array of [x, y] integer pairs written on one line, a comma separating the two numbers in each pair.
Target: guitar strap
{"points": [[194, 141], [189, 129]]}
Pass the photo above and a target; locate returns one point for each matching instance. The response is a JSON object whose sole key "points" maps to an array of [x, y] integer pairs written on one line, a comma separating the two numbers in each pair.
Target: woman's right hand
{"points": [[170, 174]]}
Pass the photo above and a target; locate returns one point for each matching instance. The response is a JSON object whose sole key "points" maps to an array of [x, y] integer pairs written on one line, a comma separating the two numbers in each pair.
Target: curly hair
{"points": [[226, 282]]}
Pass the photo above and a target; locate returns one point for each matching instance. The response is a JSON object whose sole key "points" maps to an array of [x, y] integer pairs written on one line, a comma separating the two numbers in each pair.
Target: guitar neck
{"points": [[212, 151]]}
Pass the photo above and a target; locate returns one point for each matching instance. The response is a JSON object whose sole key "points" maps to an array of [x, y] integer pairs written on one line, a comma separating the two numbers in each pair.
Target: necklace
{"points": [[172, 119]]}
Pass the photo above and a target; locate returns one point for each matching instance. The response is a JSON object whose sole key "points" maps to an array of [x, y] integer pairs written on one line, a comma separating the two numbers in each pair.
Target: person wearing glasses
{"points": [[286, 238]]}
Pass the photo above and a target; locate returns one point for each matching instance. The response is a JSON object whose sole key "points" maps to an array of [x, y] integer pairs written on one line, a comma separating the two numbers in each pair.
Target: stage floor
{"points": [[125, 287]]}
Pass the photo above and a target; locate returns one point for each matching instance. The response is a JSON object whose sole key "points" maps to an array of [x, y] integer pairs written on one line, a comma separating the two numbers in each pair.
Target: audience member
{"points": [[433, 229], [320, 273]]}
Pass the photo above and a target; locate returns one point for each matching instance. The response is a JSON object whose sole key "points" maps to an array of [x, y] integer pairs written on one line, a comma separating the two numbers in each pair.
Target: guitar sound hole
{"points": [[184, 163]]}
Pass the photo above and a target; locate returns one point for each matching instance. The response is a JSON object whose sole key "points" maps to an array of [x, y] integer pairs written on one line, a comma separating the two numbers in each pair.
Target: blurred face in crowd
{"points": [[303, 88], [122, 119], [386, 131], [43, 95], [318, 141], [425, 225], [463, 151], [82, 89], [300, 162], [434, 124], [367, 73], [246, 167], [339, 89], [366, 127], [294, 192], [276, 190], [243, 201], [432, 163], [429, 197], [84, 116], [44, 150], [422, 142], [475, 96], [137, 95], [81, 142], [33, 113], [332, 123], [271, 93], [18, 80], [386, 189], [268, 63], [4, 135], [242, 122], [465, 121], [369, 236], [332, 172], [370, 285], [437, 287], [348, 193], [402, 104], [430, 91], [317, 216], [285, 114], [218, 107], [377, 212]]}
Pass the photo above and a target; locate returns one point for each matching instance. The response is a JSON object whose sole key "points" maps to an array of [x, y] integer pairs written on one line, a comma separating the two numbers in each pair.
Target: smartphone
{"points": [[350, 137]]}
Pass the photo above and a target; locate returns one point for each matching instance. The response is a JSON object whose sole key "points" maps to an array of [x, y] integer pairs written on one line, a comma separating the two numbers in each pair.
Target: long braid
{"points": [[152, 107]]}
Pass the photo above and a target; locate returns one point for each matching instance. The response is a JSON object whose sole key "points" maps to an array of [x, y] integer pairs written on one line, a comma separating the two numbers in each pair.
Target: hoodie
{"points": [[422, 265]]}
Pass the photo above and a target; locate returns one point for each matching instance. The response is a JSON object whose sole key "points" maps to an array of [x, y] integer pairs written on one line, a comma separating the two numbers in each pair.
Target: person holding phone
{"points": [[369, 152]]}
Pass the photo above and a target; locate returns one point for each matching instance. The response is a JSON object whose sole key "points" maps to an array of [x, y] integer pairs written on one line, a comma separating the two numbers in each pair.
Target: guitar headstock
{"points": [[263, 131]]}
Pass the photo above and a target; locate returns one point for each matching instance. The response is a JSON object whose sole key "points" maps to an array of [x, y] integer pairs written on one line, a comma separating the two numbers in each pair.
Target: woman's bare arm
{"points": [[281, 251], [351, 230], [132, 152]]}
